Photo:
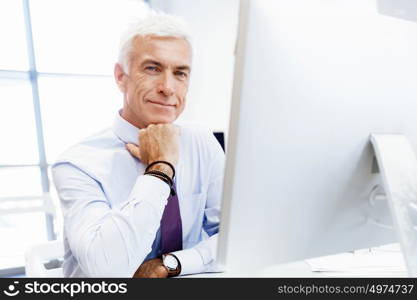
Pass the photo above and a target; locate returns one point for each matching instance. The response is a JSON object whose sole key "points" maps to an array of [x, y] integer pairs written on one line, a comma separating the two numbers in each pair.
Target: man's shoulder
{"points": [[199, 138], [193, 134], [90, 147], [194, 130]]}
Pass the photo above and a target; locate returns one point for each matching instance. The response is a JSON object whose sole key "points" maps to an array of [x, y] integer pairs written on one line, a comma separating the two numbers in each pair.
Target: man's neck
{"points": [[131, 118]]}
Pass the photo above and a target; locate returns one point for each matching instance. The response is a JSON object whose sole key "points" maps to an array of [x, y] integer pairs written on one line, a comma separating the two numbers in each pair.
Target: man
{"points": [[119, 221]]}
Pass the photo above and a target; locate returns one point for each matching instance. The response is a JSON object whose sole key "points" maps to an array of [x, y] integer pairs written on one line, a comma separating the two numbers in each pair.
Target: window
{"points": [[56, 65], [13, 50]]}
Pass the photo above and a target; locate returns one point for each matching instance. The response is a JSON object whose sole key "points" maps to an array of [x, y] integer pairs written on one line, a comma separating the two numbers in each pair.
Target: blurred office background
{"points": [[56, 87]]}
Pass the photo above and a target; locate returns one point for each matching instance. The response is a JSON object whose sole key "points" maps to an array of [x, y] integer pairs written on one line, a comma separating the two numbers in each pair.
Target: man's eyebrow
{"points": [[183, 68], [152, 62]]}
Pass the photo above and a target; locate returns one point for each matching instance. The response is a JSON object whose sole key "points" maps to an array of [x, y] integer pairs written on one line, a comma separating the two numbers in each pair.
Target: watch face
{"points": [[170, 262]]}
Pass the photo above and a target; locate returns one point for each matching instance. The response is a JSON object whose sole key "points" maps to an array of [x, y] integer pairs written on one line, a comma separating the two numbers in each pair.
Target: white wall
{"points": [[214, 26]]}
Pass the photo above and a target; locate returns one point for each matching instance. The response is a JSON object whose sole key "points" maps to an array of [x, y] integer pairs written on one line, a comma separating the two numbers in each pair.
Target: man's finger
{"points": [[133, 149]]}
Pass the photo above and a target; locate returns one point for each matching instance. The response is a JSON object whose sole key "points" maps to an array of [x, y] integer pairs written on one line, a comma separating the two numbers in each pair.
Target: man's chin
{"points": [[162, 120]]}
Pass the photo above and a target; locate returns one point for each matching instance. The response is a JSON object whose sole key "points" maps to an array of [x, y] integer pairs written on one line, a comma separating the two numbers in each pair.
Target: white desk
{"points": [[296, 269], [385, 261]]}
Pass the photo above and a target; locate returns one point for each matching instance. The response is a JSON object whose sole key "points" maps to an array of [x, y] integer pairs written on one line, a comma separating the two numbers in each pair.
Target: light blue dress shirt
{"points": [[112, 211]]}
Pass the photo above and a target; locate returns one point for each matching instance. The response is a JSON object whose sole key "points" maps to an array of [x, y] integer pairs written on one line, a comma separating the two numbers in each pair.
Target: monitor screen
{"points": [[313, 79]]}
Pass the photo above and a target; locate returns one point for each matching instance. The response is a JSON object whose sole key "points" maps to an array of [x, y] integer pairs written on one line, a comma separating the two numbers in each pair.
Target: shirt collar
{"points": [[125, 131]]}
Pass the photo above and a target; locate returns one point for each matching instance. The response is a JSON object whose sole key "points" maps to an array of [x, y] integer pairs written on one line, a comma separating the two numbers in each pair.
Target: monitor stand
{"points": [[397, 165]]}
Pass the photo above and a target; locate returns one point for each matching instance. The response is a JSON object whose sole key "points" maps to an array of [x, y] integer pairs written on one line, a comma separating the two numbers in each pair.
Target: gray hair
{"points": [[155, 23]]}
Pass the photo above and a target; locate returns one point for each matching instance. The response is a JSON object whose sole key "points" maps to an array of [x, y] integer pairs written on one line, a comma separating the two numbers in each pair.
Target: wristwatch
{"points": [[172, 263]]}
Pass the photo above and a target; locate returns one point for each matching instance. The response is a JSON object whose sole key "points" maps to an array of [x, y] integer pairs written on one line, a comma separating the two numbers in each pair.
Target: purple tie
{"points": [[171, 226]]}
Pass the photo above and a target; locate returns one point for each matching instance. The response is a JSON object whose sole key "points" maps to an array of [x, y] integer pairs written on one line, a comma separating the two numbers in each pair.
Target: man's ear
{"points": [[120, 77]]}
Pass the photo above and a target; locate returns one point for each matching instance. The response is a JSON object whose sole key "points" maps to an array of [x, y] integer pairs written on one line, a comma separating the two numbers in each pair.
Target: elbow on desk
{"points": [[99, 256]]}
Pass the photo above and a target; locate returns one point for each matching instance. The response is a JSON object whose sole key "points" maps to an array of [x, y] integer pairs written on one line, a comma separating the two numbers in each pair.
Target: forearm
{"points": [[110, 241], [199, 259]]}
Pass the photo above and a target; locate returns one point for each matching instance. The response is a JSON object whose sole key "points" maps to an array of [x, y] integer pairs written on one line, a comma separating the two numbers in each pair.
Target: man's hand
{"points": [[152, 268], [157, 142]]}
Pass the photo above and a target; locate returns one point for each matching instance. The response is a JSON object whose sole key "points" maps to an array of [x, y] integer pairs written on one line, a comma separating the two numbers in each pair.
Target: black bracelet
{"points": [[164, 177], [161, 162], [160, 177], [160, 174]]}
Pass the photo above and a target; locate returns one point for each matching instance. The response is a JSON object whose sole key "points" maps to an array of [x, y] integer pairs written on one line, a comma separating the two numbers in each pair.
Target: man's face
{"points": [[157, 83]]}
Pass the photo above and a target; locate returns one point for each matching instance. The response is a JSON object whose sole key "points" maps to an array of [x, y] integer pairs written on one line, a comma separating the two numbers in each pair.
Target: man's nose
{"points": [[166, 85]]}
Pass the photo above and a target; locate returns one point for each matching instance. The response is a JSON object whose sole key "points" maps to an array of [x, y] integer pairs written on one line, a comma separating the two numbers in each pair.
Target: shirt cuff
{"points": [[191, 261], [151, 190]]}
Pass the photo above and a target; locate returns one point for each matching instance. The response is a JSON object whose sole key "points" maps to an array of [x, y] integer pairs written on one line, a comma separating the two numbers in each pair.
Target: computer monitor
{"points": [[313, 79]]}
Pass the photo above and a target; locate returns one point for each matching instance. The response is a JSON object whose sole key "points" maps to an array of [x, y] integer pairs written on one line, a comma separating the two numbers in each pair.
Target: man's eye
{"points": [[181, 74], [151, 68]]}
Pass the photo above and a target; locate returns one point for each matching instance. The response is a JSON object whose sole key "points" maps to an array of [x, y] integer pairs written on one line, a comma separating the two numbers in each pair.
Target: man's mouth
{"points": [[162, 104]]}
